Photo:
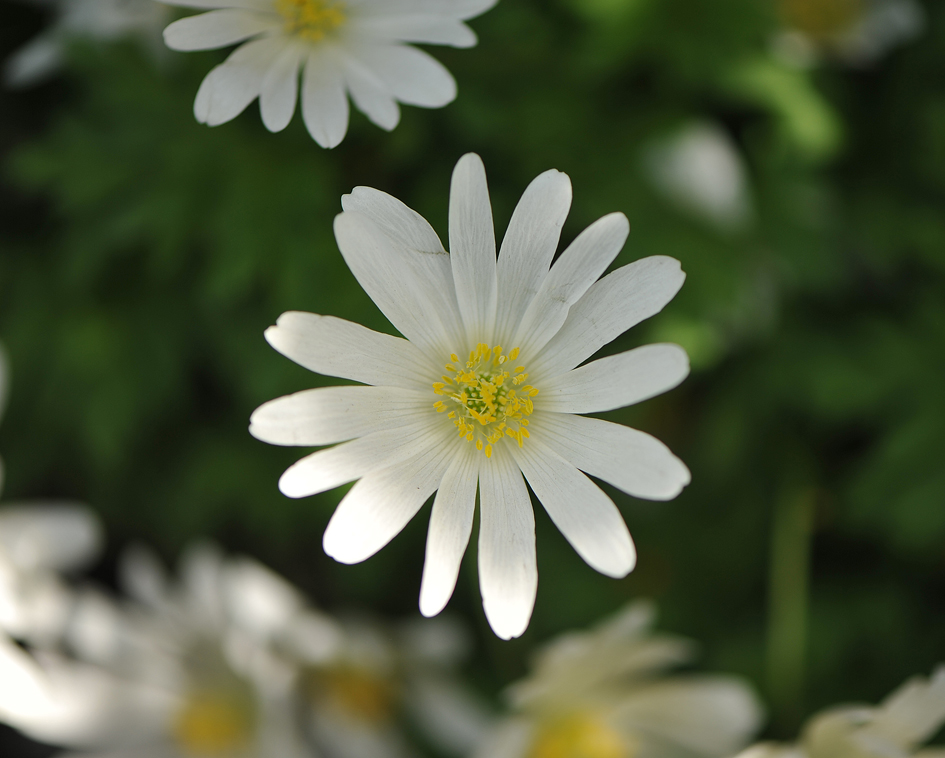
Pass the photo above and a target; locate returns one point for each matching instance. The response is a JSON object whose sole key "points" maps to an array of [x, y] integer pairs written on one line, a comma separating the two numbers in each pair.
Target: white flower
{"points": [[507, 407], [898, 727], [702, 171], [605, 694], [342, 47], [101, 20]]}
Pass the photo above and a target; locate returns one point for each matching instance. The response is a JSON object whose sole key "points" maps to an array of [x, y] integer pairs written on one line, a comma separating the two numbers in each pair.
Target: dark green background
{"points": [[142, 256]]}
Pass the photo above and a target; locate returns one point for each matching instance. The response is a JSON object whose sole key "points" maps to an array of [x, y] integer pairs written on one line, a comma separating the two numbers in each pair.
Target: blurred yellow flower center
{"points": [[821, 19], [580, 736], [356, 691], [312, 19], [486, 398], [214, 723]]}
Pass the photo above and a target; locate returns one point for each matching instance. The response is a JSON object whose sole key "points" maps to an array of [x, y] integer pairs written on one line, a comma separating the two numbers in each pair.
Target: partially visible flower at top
{"points": [[857, 32], [606, 694], [483, 390], [99, 20], [896, 728], [700, 169], [39, 540], [342, 47]]}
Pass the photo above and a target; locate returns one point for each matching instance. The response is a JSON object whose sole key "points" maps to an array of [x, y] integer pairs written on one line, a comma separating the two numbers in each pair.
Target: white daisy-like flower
{"points": [[898, 726], [434, 421], [606, 694], [99, 20], [342, 47]]}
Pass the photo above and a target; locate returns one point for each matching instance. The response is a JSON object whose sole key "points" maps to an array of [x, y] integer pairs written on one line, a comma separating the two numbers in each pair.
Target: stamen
{"points": [[312, 19]]}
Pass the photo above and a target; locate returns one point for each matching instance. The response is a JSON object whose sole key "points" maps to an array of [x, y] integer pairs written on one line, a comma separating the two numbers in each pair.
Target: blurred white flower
{"points": [[100, 20], [606, 694], [519, 328], [701, 170], [38, 541], [342, 47], [896, 728], [189, 671], [858, 32]]}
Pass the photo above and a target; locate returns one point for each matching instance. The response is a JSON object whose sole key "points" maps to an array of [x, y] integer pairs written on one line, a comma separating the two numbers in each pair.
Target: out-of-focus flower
{"points": [[606, 694], [342, 47], [189, 672], [701, 170], [896, 728], [100, 20], [38, 541], [521, 328], [858, 32], [357, 698]]}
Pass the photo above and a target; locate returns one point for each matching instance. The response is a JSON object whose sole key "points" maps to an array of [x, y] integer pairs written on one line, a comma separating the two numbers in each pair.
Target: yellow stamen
{"points": [[581, 736], [312, 19]]}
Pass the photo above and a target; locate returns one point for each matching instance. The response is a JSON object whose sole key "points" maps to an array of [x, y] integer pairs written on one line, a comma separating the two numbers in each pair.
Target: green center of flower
{"points": [[485, 400], [581, 735], [312, 19], [214, 722]]}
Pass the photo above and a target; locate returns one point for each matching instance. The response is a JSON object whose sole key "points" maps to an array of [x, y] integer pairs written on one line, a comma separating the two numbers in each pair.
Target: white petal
{"points": [[450, 527], [327, 415], [612, 305], [33, 62], [911, 714], [450, 715], [508, 571], [324, 103], [280, 90], [370, 94], [573, 273], [49, 535], [379, 506], [462, 9], [334, 347], [587, 518], [472, 248], [412, 76], [235, 83], [512, 738], [419, 28], [344, 463], [257, 5], [616, 381], [258, 599], [528, 247], [409, 288], [630, 460], [220, 28]]}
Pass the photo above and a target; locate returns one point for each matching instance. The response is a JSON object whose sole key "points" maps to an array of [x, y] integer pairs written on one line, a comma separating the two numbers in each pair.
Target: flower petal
{"points": [[36, 60], [528, 247], [629, 459], [230, 87], [335, 347], [421, 28], [379, 506], [348, 461], [258, 5], [573, 273], [462, 9], [280, 90], [370, 94], [617, 302], [412, 76], [450, 527], [58, 536], [410, 288], [587, 518], [616, 381], [472, 248], [324, 103], [327, 415], [508, 570], [215, 29]]}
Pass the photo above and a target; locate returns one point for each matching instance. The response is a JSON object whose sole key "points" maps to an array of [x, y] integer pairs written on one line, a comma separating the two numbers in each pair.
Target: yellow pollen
{"points": [[359, 692], [581, 736], [487, 401], [214, 723], [312, 19]]}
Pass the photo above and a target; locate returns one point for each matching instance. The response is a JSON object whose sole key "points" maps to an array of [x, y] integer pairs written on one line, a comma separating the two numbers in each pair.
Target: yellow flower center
{"points": [[581, 736], [312, 19], [356, 691], [214, 722], [485, 399], [822, 19]]}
